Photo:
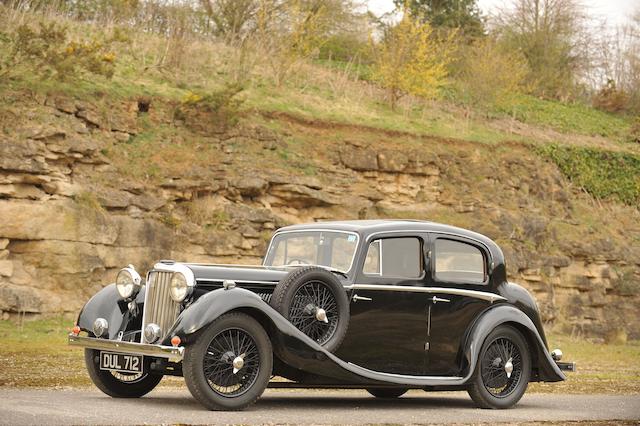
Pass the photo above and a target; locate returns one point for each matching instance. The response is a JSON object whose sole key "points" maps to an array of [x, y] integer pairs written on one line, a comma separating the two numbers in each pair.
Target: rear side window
{"points": [[457, 261], [394, 257]]}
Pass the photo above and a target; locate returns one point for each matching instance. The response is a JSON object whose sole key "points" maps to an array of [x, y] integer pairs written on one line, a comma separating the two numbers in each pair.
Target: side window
{"points": [[394, 257], [456, 261]]}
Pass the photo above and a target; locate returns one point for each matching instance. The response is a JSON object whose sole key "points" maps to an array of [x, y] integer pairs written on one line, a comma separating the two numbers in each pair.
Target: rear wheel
{"points": [[230, 364], [503, 369], [387, 393], [119, 385]]}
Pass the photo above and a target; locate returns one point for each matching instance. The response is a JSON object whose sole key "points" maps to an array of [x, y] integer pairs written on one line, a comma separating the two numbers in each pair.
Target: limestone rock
{"points": [[21, 191], [302, 196], [114, 199], [21, 157], [392, 161], [249, 186], [6, 268], [359, 159], [19, 299]]}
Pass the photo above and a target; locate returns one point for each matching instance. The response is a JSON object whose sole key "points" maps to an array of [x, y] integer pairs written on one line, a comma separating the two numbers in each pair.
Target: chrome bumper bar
{"points": [[567, 366], [172, 353]]}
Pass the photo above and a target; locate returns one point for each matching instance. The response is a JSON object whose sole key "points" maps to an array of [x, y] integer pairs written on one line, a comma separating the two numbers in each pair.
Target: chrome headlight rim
{"points": [[128, 282], [181, 285]]}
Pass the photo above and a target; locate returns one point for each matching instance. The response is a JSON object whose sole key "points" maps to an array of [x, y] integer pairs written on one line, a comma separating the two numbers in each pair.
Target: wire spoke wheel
{"points": [[310, 303], [231, 362], [501, 367]]}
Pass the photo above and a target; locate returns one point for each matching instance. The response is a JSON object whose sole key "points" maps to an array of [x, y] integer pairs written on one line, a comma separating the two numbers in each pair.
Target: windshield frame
{"points": [[337, 231]]}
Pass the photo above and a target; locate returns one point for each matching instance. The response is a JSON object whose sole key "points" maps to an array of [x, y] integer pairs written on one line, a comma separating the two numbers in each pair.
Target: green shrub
{"points": [[219, 109], [47, 52], [603, 174]]}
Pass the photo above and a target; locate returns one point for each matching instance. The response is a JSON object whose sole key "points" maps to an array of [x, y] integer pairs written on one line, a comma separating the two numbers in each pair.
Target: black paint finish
{"points": [[401, 336]]}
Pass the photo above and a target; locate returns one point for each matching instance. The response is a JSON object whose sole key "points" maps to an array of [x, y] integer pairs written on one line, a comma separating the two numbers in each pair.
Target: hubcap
{"points": [[508, 368], [321, 315], [238, 363]]}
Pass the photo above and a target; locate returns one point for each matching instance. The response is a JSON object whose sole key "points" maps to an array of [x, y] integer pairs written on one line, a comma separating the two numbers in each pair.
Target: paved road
{"points": [[59, 407]]}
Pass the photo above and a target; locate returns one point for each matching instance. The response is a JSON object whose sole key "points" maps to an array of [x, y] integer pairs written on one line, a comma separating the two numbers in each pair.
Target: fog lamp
{"points": [[100, 327], [152, 333]]}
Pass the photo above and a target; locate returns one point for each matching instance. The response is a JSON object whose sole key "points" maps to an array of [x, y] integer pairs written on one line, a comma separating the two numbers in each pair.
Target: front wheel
{"points": [[503, 369], [230, 364], [119, 385]]}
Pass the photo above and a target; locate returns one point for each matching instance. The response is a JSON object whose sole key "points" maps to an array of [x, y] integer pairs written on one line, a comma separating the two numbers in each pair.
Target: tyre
{"points": [[387, 393], [229, 365], [119, 385], [503, 369], [316, 303]]}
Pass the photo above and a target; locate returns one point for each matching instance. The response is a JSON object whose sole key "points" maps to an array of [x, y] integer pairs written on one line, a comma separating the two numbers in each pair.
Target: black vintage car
{"points": [[384, 305]]}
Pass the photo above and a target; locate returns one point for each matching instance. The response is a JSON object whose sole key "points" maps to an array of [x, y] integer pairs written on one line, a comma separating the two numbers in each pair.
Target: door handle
{"points": [[355, 298], [439, 299]]}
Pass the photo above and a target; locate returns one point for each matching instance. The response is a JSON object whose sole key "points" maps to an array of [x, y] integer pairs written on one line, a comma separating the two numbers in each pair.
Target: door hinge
{"points": [[426, 346]]}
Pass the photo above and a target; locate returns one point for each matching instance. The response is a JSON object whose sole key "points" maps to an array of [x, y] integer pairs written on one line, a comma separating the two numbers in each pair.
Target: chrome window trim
{"points": [[424, 231], [484, 295], [353, 258]]}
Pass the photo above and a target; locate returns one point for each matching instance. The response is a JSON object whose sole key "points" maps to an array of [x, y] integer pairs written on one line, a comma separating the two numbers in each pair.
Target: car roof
{"points": [[368, 227]]}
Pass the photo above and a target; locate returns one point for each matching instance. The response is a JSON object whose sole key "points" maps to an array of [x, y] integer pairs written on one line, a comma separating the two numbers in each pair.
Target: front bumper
{"points": [[172, 353]]}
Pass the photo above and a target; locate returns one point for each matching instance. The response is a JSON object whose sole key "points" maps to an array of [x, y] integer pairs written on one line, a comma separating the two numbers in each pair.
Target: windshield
{"points": [[325, 248]]}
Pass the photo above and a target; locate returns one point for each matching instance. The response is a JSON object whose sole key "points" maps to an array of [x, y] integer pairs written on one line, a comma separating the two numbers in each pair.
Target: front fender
{"points": [[107, 304], [216, 303], [547, 369]]}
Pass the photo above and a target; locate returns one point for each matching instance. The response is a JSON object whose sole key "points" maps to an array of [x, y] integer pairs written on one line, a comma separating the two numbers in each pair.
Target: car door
{"points": [[388, 326], [459, 278]]}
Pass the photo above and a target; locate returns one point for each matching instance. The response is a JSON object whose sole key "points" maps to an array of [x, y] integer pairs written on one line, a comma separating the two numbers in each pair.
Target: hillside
{"points": [[97, 173]]}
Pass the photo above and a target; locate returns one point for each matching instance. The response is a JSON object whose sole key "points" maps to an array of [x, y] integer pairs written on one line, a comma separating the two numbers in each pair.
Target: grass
{"points": [[35, 354], [321, 91], [569, 117]]}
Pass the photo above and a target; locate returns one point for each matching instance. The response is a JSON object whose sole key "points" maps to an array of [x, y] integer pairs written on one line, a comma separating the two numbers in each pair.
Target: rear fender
{"points": [[547, 369]]}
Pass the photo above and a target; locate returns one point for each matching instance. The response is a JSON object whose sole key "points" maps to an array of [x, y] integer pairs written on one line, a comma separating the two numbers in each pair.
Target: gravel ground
{"points": [[175, 406]]}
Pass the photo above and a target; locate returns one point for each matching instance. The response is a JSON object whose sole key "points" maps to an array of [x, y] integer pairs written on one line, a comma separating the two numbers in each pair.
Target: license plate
{"points": [[121, 362]]}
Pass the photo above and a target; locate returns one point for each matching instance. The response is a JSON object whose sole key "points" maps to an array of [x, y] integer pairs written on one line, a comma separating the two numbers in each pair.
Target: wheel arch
{"points": [[543, 366], [195, 318]]}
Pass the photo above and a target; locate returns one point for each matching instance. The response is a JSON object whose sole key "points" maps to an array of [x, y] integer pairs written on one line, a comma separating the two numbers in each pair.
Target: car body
{"points": [[384, 305]]}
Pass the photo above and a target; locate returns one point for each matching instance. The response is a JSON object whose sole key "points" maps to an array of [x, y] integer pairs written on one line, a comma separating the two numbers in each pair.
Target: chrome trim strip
{"points": [[491, 297], [173, 353], [220, 280], [353, 258]]}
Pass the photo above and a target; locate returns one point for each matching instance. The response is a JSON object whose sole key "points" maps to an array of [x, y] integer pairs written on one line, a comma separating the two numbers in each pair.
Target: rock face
{"points": [[74, 212]]}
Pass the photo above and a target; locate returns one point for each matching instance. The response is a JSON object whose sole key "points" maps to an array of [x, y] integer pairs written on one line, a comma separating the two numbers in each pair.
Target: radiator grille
{"points": [[159, 307]]}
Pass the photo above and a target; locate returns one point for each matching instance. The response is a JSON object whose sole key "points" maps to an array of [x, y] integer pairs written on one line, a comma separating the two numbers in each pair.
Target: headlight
{"points": [[128, 282], [180, 286]]}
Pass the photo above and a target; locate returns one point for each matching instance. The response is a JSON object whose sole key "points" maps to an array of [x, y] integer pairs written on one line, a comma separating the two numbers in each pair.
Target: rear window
{"points": [[458, 262]]}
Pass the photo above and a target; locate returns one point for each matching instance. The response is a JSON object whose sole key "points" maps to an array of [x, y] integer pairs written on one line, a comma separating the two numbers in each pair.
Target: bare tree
{"points": [[554, 38]]}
